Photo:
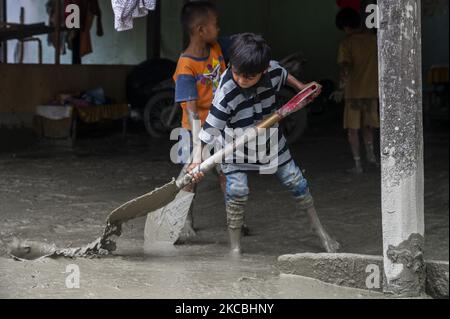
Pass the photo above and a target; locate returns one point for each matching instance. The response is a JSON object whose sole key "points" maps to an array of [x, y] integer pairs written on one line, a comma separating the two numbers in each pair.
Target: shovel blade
{"points": [[144, 204], [164, 225]]}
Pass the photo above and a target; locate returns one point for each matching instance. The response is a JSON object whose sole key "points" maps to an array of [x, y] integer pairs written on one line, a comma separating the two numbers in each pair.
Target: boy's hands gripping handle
{"points": [[298, 102]]}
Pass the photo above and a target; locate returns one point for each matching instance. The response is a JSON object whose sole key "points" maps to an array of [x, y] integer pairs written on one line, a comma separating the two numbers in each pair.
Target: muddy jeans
{"points": [[237, 192]]}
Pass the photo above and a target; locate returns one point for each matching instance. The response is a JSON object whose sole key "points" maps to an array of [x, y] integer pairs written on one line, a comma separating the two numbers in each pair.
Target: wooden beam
{"points": [[12, 31], [17, 31], [400, 77]]}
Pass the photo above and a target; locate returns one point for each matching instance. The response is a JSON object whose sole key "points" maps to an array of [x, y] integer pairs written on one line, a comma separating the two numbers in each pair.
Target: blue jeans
{"points": [[237, 191]]}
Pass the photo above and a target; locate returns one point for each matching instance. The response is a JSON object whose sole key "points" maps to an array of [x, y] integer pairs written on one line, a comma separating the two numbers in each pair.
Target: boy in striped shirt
{"points": [[247, 94]]}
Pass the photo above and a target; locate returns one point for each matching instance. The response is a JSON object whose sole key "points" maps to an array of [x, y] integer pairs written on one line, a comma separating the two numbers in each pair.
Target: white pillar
{"points": [[400, 76]]}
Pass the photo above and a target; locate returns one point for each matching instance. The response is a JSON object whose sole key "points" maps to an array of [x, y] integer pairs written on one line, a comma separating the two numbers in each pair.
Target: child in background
{"points": [[357, 59], [196, 79]]}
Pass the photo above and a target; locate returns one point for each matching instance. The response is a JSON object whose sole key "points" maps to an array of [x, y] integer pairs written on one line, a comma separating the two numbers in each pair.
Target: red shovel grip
{"points": [[299, 101]]}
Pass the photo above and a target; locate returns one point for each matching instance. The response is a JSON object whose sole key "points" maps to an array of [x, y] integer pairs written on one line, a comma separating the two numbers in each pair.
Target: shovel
{"points": [[167, 207]]}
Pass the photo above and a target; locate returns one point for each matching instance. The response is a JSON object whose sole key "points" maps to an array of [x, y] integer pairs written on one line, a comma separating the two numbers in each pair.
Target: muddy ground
{"points": [[59, 195]]}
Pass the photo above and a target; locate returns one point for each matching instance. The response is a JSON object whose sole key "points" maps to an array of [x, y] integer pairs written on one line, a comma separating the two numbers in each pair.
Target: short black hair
{"points": [[249, 54], [193, 11], [349, 18]]}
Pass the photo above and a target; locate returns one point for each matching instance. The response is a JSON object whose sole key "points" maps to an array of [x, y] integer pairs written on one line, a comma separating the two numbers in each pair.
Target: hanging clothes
{"points": [[89, 10], [126, 10], [50, 7]]}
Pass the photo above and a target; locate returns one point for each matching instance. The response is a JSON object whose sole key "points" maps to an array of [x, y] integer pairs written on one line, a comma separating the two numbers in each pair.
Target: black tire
{"points": [[157, 111], [162, 103], [144, 77], [295, 124]]}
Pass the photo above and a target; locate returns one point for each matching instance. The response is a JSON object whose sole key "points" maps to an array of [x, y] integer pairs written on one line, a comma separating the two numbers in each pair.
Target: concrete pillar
{"points": [[400, 69]]}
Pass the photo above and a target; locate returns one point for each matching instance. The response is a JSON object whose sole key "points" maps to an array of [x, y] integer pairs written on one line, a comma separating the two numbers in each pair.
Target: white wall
{"points": [[130, 48], [114, 47], [171, 30]]}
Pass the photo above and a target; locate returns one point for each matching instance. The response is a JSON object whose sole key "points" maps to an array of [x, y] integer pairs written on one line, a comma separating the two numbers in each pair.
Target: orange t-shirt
{"points": [[196, 79]]}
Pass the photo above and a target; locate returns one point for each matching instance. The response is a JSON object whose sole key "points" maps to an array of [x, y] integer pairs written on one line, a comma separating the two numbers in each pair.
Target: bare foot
{"points": [[235, 241], [235, 253], [330, 245], [374, 163]]}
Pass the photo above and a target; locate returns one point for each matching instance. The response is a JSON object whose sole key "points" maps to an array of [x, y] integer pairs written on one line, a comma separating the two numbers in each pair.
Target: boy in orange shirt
{"points": [[196, 79]]}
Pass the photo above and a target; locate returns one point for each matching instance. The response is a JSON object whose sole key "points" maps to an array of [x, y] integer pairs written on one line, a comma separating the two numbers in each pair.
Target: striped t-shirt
{"points": [[237, 108]]}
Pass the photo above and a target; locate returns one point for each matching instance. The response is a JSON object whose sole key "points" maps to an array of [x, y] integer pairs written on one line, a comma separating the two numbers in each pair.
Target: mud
{"points": [[31, 250], [142, 205], [349, 270], [63, 197], [437, 279], [361, 271], [410, 254]]}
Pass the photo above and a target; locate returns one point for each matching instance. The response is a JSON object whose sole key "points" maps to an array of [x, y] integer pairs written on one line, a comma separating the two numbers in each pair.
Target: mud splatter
{"points": [[32, 250], [409, 253]]}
